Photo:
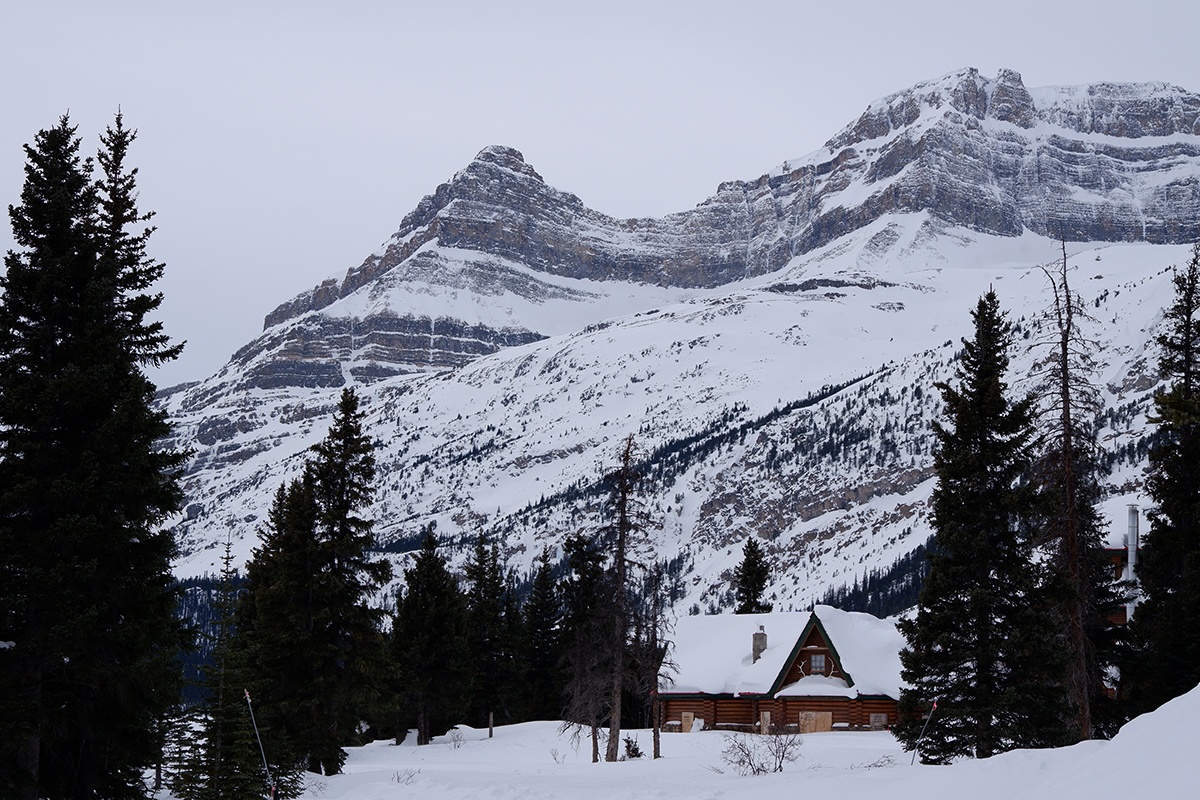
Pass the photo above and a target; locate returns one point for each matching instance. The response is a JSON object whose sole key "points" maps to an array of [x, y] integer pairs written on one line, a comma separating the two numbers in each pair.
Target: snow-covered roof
{"points": [[712, 654], [868, 649]]}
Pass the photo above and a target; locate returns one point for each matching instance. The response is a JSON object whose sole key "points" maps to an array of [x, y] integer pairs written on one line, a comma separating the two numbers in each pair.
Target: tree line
{"points": [[301, 643]]}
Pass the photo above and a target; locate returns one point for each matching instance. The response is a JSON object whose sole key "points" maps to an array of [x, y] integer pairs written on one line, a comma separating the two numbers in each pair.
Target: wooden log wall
{"points": [[745, 711]]}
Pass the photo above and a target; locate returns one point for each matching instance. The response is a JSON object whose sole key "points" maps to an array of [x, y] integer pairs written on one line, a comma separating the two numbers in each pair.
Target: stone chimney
{"points": [[760, 643]]}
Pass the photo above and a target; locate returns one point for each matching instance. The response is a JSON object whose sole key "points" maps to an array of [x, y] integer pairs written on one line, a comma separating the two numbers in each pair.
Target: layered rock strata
{"points": [[1106, 162]]}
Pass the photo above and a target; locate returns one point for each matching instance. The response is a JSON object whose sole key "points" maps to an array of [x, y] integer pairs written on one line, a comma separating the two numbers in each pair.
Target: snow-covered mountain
{"points": [[774, 349]]}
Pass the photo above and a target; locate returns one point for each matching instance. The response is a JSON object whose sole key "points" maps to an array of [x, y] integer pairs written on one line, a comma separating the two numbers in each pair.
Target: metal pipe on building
{"points": [[1131, 548]]}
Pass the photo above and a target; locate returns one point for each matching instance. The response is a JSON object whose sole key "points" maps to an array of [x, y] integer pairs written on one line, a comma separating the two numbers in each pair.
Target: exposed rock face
{"points": [[1011, 102], [500, 206], [1056, 166], [311, 352], [1105, 162]]}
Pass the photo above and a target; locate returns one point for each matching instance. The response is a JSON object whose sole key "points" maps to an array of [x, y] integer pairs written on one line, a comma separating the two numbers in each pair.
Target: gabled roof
{"points": [[866, 648], [713, 655]]}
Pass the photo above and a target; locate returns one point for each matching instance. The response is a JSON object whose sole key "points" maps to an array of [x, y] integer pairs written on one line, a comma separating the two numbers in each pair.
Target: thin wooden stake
{"points": [[924, 728]]}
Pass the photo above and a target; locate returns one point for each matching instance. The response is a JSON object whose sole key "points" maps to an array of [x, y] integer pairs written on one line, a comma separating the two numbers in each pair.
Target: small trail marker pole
{"points": [[491, 719], [924, 728], [266, 768]]}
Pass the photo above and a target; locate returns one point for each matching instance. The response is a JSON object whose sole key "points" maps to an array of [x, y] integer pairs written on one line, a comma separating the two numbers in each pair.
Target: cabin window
{"points": [[817, 665]]}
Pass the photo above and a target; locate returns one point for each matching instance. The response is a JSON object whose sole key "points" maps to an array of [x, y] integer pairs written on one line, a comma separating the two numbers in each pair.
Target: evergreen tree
{"points": [[982, 643], [429, 646], [221, 758], [88, 599], [1167, 621], [343, 472], [543, 643], [750, 579], [587, 624], [283, 639], [1069, 473], [314, 652], [122, 256], [493, 628]]}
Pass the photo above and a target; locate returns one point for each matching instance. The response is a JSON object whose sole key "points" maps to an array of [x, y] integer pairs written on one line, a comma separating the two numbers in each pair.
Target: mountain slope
{"points": [[512, 443], [774, 349]]}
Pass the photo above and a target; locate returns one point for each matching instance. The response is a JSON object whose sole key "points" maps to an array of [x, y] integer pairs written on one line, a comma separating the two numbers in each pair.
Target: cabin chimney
{"points": [[1131, 548], [760, 643]]}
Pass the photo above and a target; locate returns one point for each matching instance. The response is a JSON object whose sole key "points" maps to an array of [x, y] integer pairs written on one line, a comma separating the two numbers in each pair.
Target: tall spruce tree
{"points": [[982, 642], [282, 640], [313, 647], [542, 643], [88, 602], [493, 630], [343, 474], [429, 646], [1167, 621], [750, 579]]}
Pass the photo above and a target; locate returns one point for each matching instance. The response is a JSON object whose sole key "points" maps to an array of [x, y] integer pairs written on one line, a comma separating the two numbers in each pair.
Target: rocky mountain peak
{"points": [[497, 178], [1010, 101], [1125, 110], [987, 155], [964, 91], [506, 158]]}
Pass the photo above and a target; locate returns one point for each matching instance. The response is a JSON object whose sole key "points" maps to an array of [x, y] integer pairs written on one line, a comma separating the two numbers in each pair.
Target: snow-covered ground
{"points": [[1155, 756]]}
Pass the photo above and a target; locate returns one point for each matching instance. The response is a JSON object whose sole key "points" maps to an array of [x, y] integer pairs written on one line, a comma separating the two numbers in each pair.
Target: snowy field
{"points": [[1155, 755]]}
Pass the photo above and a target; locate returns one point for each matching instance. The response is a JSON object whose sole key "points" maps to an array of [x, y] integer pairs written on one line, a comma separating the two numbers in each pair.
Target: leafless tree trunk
{"points": [[1071, 403], [423, 736], [627, 520], [28, 761]]}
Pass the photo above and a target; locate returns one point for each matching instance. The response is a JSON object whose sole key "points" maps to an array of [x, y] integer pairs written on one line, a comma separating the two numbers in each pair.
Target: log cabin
{"points": [[792, 671]]}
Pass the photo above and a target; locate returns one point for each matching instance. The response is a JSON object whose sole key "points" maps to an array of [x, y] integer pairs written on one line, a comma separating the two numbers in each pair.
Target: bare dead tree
{"points": [[627, 519], [586, 700], [1068, 471]]}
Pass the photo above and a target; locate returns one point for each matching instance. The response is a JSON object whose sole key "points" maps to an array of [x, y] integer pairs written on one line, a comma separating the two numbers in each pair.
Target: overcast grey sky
{"points": [[282, 142]]}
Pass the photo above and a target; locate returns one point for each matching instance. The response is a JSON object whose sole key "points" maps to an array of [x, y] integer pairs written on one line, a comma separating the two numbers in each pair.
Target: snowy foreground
{"points": [[1154, 754]]}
